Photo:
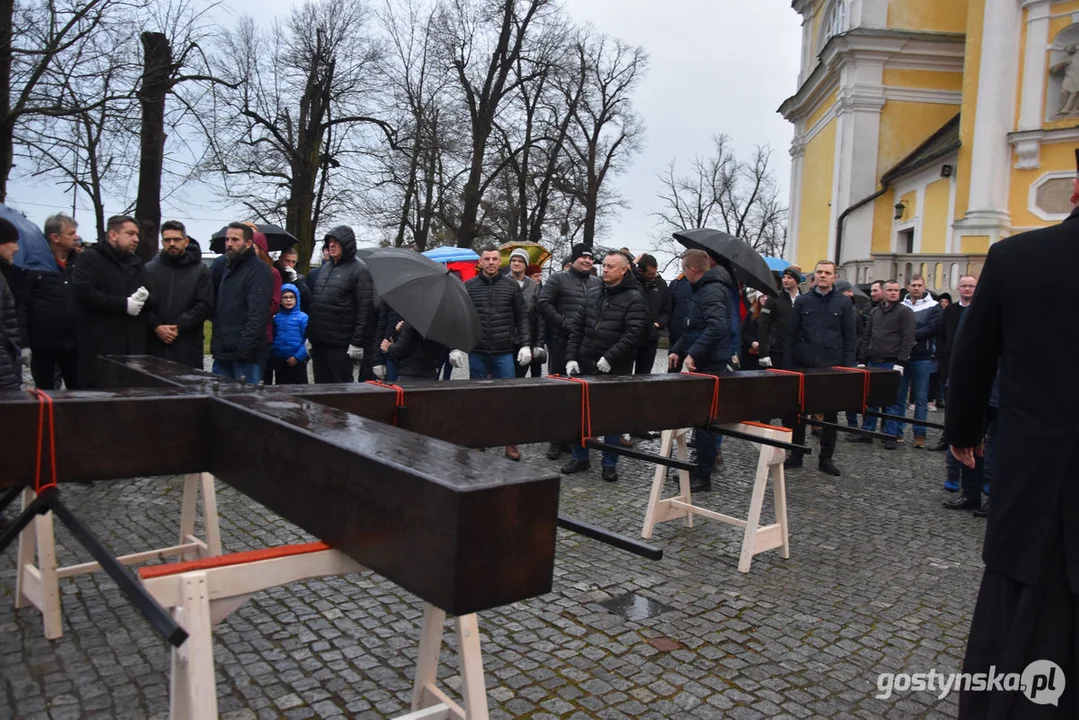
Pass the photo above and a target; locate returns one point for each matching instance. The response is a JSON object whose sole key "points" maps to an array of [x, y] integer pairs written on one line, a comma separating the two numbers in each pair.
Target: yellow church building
{"points": [[926, 130]]}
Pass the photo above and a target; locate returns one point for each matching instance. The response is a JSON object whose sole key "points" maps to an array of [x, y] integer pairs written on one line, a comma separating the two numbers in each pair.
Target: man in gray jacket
{"points": [[886, 343]]}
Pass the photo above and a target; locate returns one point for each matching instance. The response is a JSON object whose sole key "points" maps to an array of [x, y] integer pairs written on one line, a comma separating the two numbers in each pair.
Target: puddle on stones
{"points": [[635, 607]]}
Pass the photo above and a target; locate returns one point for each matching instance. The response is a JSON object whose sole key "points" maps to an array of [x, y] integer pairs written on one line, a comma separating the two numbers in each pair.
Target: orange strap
{"points": [[801, 388], [400, 403], [586, 406], [44, 400], [240, 558], [865, 382], [713, 411]]}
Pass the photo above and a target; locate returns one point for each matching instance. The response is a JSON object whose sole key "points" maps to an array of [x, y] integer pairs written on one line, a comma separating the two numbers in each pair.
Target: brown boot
{"points": [[513, 453]]}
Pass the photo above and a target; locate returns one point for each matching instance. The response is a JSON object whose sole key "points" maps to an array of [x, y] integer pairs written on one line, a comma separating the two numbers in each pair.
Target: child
{"points": [[288, 360]]}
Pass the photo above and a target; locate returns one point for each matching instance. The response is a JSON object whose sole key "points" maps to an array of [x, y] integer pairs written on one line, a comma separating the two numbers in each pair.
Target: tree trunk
{"points": [[156, 71], [7, 123], [468, 230], [410, 192]]}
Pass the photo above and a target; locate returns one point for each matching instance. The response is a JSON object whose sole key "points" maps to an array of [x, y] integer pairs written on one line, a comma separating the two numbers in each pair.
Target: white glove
{"points": [[458, 359], [25, 353], [379, 371], [141, 294], [524, 358], [134, 305], [765, 362], [735, 361], [603, 366], [307, 344], [291, 274], [355, 353], [539, 353], [572, 368], [861, 366], [899, 368]]}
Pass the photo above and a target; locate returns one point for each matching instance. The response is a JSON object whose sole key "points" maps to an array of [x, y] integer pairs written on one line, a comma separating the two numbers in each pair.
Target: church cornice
{"points": [[901, 49]]}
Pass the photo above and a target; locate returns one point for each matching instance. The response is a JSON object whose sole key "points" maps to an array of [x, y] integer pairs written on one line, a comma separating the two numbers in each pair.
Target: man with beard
{"points": [[111, 289], [184, 297], [242, 312], [343, 316], [606, 334]]}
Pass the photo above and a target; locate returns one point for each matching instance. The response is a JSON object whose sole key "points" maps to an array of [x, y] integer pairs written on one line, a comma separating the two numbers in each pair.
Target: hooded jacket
{"points": [[342, 308], [658, 300], [10, 372], [184, 297], [416, 356], [612, 324], [290, 328], [821, 332], [503, 315], [888, 336], [926, 326], [243, 310], [706, 331], [561, 297], [48, 312], [537, 324], [104, 278]]}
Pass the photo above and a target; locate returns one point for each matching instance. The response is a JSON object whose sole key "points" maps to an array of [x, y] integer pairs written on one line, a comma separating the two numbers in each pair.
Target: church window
{"points": [[835, 21]]}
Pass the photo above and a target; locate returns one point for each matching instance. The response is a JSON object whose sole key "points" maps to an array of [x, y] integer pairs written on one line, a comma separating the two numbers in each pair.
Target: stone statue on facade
{"points": [[1069, 85]]}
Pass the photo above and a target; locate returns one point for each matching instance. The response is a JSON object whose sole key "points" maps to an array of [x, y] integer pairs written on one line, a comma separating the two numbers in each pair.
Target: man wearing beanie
{"points": [[530, 290], [775, 313], [10, 372], [559, 300]]}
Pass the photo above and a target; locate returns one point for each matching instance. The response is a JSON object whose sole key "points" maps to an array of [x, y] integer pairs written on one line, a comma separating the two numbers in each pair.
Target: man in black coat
{"points": [[704, 343], [111, 289], [820, 334], [48, 312], [1028, 603], [949, 326], [343, 315], [775, 314], [184, 297], [560, 298], [605, 336], [503, 318], [10, 354], [658, 300], [242, 308]]}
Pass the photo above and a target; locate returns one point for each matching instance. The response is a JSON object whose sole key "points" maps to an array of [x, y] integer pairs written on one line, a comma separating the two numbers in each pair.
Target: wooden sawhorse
{"points": [[37, 578], [756, 539], [204, 592]]}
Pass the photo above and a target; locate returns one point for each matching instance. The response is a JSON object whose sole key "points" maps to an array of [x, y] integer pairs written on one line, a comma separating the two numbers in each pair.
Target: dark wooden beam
{"points": [[460, 529]]}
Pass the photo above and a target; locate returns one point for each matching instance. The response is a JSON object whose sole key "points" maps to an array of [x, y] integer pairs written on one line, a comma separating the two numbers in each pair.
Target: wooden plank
{"points": [[462, 530]]}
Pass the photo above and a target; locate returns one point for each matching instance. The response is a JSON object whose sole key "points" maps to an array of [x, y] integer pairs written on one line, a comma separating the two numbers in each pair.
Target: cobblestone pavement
{"points": [[881, 579]]}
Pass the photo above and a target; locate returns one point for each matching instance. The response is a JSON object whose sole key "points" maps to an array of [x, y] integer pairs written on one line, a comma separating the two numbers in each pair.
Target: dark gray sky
{"points": [[716, 66]]}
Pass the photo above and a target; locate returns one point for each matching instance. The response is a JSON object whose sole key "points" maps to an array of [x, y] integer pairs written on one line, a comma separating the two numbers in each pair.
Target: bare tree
{"points": [[722, 192], [305, 90], [606, 128]]}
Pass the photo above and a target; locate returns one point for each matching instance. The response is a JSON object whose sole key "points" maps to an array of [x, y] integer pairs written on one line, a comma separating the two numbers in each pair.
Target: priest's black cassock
{"points": [[1027, 606]]}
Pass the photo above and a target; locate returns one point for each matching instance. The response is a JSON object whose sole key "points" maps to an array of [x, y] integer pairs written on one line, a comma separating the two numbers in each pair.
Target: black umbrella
{"points": [[427, 295], [277, 238], [748, 264]]}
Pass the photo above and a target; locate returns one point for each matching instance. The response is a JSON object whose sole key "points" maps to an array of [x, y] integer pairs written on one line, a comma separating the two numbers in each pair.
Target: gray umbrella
{"points": [[750, 267], [427, 295]]}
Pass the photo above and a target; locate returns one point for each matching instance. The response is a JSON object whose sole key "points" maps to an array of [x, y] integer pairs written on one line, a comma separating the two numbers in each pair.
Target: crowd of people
{"points": [[269, 323]]}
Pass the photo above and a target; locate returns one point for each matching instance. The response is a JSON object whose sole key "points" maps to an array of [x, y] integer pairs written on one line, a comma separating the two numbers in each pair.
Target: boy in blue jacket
{"points": [[288, 359]]}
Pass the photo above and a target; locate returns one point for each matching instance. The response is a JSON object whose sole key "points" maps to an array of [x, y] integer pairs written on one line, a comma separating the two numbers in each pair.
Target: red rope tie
{"points": [[44, 401], [801, 388], [400, 399], [586, 406], [713, 411], [865, 382]]}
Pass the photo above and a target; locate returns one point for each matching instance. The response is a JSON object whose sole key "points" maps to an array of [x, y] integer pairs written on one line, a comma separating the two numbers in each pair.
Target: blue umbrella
{"points": [[776, 264], [34, 252], [448, 254]]}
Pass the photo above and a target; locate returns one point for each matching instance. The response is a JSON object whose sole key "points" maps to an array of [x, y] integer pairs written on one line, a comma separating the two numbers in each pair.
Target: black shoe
{"points": [[962, 503], [700, 484], [554, 451], [941, 444], [610, 473], [983, 511], [575, 466], [794, 461], [890, 445], [826, 467], [858, 438]]}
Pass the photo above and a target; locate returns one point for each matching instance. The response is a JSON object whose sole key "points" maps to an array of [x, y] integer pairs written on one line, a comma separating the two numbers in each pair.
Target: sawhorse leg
{"points": [[37, 585], [757, 539], [193, 688], [425, 693], [193, 483], [659, 510]]}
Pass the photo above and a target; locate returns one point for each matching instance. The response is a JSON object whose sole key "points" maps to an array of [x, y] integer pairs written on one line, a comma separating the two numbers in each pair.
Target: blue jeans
{"points": [[888, 427], [917, 376], [483, 365], [235, 370], [391, 371], [609, 459]]}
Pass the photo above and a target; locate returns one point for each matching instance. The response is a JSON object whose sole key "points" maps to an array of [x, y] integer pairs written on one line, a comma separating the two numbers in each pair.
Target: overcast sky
{"points": [[715, 67]]}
